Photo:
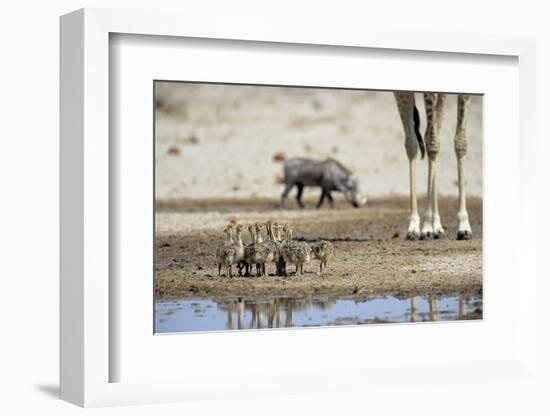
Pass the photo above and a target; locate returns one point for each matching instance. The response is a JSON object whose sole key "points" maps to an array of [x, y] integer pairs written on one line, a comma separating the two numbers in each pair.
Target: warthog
{"points": [[330, 175]]}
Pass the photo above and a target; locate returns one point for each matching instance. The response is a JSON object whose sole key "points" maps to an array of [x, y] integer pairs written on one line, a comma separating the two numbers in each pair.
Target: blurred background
{"points": [[225, 141]]}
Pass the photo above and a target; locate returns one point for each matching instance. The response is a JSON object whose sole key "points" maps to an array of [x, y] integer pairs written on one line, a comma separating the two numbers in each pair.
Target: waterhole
{"points": [[235, 313]]}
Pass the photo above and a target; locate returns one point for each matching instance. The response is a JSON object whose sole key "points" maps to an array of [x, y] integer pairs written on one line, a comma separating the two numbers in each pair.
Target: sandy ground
{"points": [[372, 257], [220, 140]]}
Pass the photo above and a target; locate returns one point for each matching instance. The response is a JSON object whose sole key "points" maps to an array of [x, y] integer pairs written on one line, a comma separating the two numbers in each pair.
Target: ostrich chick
{"points": [[250, 252], [225, 253], [266, 252], [280, 242], [322, 252], [239, 248], [295, 252]]}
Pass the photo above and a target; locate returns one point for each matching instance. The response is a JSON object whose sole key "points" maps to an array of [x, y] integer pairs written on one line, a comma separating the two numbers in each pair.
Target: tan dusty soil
{"points": [[372, 257]]}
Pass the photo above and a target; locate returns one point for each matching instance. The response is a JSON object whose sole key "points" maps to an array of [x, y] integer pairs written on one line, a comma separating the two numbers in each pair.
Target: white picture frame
{"points": [[87, 356]]}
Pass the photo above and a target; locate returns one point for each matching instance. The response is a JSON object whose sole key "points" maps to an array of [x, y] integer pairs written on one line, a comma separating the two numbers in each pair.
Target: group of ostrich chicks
{"points": [[278, 248]]}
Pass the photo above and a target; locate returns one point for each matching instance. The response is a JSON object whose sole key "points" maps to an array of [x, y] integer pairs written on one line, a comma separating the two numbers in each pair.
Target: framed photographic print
{"points": [[233, 253], [319, 213]]}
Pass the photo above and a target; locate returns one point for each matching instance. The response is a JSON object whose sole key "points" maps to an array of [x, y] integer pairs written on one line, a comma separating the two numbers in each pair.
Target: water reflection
{"points": [[413, 309], [210, 314]]}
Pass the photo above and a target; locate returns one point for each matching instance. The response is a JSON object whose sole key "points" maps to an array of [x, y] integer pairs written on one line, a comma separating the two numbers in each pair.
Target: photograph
{"points": [[283, 206]]}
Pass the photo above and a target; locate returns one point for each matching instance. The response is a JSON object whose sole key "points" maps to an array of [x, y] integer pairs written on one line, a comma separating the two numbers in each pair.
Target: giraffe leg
{"points": [[427, 232], [405, 105], [461, 144], [435, 110], [432, 147], [413, 229], [438, 228]]}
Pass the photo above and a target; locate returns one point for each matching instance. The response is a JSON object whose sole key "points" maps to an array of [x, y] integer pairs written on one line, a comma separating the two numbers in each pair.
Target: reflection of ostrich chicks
{"points": [[225, 253], [322, 252]]}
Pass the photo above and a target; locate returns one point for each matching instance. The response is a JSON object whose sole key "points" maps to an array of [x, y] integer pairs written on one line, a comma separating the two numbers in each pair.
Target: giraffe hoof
{"points": [[412, 236], [427, 236], [463, 235]]}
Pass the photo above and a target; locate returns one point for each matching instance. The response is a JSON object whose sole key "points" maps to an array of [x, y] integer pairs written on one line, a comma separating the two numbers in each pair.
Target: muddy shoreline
{"points": [[177, 285], [372, 258]]}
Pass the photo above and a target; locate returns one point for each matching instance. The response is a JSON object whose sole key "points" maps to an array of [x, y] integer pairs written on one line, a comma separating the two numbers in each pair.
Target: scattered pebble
{"points": [[279, 157], [191, 140], [316, 104], [173, 151]]}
